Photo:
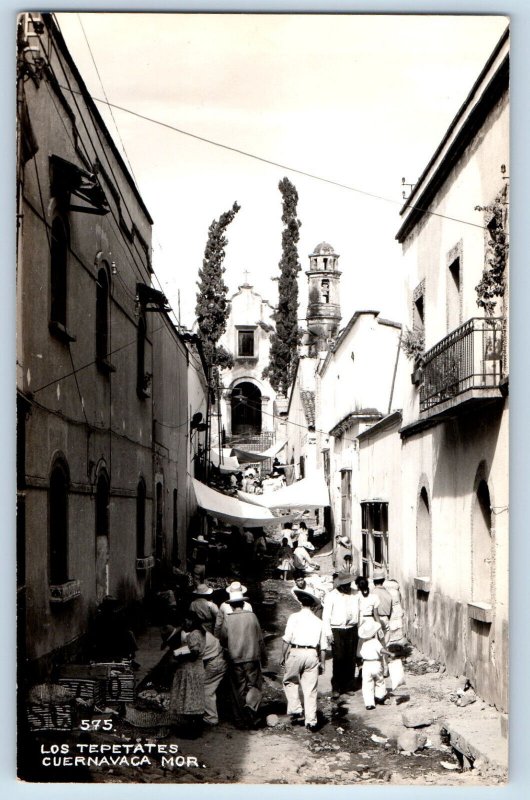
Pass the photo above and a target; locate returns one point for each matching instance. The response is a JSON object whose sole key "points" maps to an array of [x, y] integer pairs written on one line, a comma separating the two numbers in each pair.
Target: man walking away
{"points": [[340, 619], [241, 635], [303, 657]]}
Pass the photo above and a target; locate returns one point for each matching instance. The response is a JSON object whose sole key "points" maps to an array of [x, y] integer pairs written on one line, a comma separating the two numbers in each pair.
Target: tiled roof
{"points": [[308, 404]]}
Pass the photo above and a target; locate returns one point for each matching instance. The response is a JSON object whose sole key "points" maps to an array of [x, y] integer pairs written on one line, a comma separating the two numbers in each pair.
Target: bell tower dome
{"points": [[323, 308]]}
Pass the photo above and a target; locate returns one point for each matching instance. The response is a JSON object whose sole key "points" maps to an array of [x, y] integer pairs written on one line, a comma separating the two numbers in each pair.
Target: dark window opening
{"points": [[59, 262], [58, 525], [418, 321], [102, 506], [175, 548], [143, 379], [102, 315], [159, 532], [140, 519], [374, 522], [454, 286], [245, 344]]}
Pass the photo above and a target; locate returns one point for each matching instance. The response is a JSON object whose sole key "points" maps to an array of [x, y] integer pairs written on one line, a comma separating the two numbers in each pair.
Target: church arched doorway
{"points": [[246, 409]]}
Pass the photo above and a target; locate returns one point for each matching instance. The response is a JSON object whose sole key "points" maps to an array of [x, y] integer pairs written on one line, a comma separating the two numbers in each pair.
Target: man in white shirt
{"points": [[340, 619], [303, 655], [303, 561]]}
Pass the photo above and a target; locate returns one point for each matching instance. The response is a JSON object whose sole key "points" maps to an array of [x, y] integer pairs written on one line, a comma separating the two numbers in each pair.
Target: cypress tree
{"points": [[285, 340], [212, 306]]}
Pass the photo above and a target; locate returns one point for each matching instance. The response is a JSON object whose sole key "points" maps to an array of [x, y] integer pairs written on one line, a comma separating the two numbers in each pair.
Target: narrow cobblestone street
{"points": [[353, 745]]}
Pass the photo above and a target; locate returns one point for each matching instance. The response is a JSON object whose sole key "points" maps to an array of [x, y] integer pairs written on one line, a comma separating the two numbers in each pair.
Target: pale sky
{"points": [[361, 100]]}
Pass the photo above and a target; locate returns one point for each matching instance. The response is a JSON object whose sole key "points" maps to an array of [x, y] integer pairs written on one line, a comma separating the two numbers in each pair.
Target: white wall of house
{"points": [[357, 382], [454, 456]]}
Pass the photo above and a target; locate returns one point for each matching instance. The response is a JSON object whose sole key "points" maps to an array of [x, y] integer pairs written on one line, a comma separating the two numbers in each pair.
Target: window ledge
{"points": [[422, 584], [145, 564], [60, 332], [105, 366], [246, 358], [481, 612], [64, 592]]}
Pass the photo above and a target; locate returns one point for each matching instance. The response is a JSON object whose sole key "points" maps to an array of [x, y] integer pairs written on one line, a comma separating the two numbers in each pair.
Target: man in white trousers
{"points": [[303, 656]]}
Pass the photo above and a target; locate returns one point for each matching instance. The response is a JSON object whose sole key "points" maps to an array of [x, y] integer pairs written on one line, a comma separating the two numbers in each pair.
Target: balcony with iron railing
{"points": [[466, 366]]}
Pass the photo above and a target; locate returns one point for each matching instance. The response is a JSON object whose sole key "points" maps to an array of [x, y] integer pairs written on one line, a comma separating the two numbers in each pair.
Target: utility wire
{"points": [[88, 364], [264, 160], [105, 93], [102, 147], [248, 402]]}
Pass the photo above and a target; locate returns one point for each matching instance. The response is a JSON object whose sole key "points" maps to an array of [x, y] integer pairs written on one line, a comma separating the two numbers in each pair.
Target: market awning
{"points": [[309, 493], [251, 456], [226, 463], [230, 508]]}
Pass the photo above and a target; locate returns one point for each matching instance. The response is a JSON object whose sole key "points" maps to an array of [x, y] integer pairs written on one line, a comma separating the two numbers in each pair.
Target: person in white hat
{"points": [[242, 638], [371, 651], [225, 608], [203, 607], [303, 656]]}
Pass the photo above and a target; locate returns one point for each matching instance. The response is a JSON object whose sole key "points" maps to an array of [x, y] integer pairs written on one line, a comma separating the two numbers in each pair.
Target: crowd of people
{"points": [[212, 636]]}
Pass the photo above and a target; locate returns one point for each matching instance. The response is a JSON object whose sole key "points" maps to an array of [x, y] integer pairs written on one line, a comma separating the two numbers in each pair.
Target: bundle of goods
{"points": [[51, 707], [100, 683]]}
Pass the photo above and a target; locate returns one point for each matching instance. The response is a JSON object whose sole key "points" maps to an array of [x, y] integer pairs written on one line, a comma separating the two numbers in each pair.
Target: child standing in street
{"points": [[285, 559], [372, 652]]}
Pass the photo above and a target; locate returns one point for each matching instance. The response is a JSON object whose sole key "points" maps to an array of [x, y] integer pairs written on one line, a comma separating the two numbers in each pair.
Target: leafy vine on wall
{"points": [[493, 282]]}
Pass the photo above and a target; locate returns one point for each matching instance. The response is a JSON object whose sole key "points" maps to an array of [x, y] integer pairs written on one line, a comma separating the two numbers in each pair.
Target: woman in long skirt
{"points": [[186, 701]]}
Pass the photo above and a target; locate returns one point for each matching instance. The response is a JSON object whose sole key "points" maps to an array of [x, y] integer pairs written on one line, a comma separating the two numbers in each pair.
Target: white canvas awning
{"points": [[309, 493], [227, 463], [250, 456], [230, 508]]}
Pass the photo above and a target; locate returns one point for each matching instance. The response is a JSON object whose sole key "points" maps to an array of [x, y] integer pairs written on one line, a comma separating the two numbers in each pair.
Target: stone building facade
{"points": [[99, 433]]}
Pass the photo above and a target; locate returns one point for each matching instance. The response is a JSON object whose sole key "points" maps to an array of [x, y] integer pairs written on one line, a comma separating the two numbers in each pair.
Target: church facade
{"points": [[247, 399]]}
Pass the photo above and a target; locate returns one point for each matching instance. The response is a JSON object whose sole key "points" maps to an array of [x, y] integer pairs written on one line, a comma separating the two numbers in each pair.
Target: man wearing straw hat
{"points": [[203, 607], [241, 635], [303, 657], [225, 608], [340, 618]]}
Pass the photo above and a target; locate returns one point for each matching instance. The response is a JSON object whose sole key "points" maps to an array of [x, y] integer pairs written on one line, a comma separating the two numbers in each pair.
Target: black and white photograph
{"points": [[262, 410]]}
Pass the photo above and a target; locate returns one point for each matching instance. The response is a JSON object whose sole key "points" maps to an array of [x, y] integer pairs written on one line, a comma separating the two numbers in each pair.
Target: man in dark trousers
{"points": [[241, 635], [340, 619]]}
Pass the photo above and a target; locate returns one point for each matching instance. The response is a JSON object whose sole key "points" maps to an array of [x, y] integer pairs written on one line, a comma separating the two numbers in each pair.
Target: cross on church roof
{"points": [[246, 273]]}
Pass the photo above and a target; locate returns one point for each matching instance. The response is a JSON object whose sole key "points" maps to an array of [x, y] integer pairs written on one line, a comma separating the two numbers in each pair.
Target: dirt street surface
{"points": [[353, 745]]}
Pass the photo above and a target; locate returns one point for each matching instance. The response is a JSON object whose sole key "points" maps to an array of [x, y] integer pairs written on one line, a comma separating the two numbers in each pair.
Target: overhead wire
{"points": [[136, 253], [109, 105], [256, 407], [278, 164]]}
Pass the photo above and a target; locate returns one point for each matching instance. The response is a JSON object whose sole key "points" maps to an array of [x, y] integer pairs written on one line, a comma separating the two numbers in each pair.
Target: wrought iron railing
{"points": [[252, 441], [470, 357]]}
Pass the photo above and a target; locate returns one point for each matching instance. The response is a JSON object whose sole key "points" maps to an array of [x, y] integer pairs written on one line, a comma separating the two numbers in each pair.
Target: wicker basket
{"points": [[147, 718]]}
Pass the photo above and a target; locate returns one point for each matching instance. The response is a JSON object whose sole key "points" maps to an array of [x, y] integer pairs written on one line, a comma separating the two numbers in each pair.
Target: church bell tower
{"points": [[323, 308]]}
